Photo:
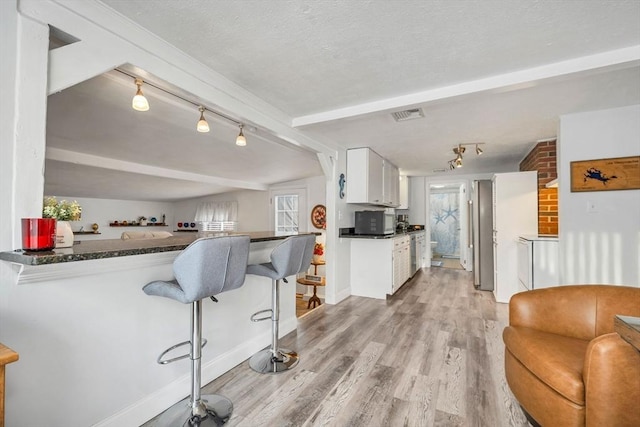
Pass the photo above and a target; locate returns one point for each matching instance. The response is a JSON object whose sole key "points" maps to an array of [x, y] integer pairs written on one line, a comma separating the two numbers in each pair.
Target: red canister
{"points": [[38, 234]]}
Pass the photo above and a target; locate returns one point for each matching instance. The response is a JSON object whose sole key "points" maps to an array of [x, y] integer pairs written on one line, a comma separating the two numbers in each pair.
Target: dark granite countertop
{"points": [[348, 233], [99, 249]]}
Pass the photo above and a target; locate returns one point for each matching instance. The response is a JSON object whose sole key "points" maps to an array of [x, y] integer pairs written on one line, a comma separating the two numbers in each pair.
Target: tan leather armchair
{"points": [[564, 363]]}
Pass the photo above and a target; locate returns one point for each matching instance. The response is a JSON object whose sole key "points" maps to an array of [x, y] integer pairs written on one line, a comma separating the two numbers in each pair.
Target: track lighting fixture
{"points": [[139, 102], [459, 151], [202, 126], [241, 141]]}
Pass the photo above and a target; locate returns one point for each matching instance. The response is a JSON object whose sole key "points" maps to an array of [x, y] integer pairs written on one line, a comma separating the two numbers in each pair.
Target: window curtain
{"points": [[217, 216]]}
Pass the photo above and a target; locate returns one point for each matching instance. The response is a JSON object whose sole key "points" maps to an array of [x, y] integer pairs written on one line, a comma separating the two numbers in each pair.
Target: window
{"points": [[286, 213], [288, 210]]}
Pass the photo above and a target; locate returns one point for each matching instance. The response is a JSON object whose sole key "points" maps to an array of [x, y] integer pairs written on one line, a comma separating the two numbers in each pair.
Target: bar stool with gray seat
{"points": [[288, 258], [207, 267]]}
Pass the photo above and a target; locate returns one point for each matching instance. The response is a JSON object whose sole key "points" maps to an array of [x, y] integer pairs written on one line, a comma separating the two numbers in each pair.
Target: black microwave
{"points": [[375, 223]]}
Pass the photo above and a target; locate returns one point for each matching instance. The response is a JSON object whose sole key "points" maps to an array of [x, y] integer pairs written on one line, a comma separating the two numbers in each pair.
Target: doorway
{"points": [[447, 210]]}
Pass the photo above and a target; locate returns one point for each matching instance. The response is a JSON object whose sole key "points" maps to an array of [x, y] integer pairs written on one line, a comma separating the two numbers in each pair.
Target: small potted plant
{"points": [[63, 211], [142, 220], [318, 252]]}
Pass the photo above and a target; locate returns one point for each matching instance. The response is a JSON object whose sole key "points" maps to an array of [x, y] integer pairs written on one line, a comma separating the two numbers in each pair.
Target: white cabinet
{"points": [[401, 262], [391, 180], [515, 212], [538, 263], [365, 182], [403, 189], [417, 200], [379, 267], [371, 179]]}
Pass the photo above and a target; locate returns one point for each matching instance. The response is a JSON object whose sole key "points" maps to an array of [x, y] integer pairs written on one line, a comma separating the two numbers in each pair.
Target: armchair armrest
{"points": [[612, 382]]}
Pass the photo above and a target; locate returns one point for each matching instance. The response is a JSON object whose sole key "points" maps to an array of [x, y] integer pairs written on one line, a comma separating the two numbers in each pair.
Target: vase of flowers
{"points": [[63, 211], [318, 252]]}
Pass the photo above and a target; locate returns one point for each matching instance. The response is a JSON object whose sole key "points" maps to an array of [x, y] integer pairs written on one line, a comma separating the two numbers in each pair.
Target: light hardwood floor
{"points": [[432, 355]]}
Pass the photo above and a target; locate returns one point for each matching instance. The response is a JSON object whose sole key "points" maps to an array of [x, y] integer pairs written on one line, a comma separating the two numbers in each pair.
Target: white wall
{"points": [[105, 211], [601, 246]]}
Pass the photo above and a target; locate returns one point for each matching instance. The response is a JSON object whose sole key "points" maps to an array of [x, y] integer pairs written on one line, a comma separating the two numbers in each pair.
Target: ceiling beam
{"points": [[139, 168], [615, 59]]}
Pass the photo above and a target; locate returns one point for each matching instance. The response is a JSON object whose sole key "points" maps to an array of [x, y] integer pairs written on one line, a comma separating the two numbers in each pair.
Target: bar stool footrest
{"points": [[260, 319], [173, 347]]}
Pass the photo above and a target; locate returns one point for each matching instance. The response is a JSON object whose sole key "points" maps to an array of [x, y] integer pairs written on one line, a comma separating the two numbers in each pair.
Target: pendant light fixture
{"points": [[241, 141], [202, 125], [139, 102]]}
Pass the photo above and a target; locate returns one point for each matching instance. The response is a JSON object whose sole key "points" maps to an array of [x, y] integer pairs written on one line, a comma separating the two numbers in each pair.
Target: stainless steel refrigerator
{"points": [[482, 215]]}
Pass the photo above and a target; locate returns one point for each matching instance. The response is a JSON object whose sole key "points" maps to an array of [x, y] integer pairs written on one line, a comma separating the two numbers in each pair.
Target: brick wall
{"points": [[543, 159]]}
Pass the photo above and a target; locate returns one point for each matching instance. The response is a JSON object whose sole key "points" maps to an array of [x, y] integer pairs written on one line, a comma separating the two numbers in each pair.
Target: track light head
{"points": [[459, 150], [202, 125], [458, 161], [478, 150], [139, 102], [241, 141]]}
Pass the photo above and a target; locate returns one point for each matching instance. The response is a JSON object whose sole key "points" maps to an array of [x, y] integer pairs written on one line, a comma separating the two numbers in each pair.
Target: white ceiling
{"points": [[499, 72]]}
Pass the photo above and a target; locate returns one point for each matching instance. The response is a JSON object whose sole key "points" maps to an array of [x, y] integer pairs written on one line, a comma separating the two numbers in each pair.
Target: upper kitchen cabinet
{"points": [[371, 179], [403, 197], [391, 179]]}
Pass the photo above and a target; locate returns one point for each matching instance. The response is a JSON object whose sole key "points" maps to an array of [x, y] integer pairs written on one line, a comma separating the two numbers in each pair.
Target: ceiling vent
{"points": [[401, 116]]}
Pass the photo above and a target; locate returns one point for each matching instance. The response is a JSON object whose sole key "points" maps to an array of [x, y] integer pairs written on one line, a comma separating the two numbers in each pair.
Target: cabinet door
{"points": [[395, 187], [376, 179], [403, 189], [364, 176], [397, 269], [391, 178]]}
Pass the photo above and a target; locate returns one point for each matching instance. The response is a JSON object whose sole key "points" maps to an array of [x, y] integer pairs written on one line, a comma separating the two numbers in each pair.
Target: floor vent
{"points": [[401, 116]]}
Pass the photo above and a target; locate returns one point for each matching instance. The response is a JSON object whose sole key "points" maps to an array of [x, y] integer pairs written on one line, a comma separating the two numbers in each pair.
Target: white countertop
{"points": [[540, 237]]}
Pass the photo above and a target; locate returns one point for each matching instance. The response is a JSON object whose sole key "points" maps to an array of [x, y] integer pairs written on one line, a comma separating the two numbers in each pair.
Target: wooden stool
{"points": [[6, 356], [314, 299]]}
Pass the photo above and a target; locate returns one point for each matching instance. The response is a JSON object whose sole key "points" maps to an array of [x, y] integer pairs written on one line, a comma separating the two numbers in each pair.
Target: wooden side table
{"points": [[316, 264], [628, 328], [6, 356], [314, 299]]}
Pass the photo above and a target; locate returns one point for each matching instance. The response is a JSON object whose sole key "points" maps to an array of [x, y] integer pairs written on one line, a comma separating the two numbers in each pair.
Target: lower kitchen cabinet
{"points": [[379, 267]]}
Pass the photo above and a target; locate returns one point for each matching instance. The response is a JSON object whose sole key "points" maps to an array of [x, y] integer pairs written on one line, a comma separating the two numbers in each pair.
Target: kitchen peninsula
{"points": [[382, 264], [89, 337]]}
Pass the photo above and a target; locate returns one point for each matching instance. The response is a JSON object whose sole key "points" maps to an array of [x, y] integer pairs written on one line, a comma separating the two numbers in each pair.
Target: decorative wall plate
{"points": [[318, 216]]}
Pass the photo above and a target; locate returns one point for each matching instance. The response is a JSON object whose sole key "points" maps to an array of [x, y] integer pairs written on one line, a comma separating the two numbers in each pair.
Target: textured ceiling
{"points": [[310, 56], [314, 58]]}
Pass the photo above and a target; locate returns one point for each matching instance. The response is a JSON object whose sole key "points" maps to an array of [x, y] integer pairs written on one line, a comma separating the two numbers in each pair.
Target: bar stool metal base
{"points": [[216, 412], [264, 362]]}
